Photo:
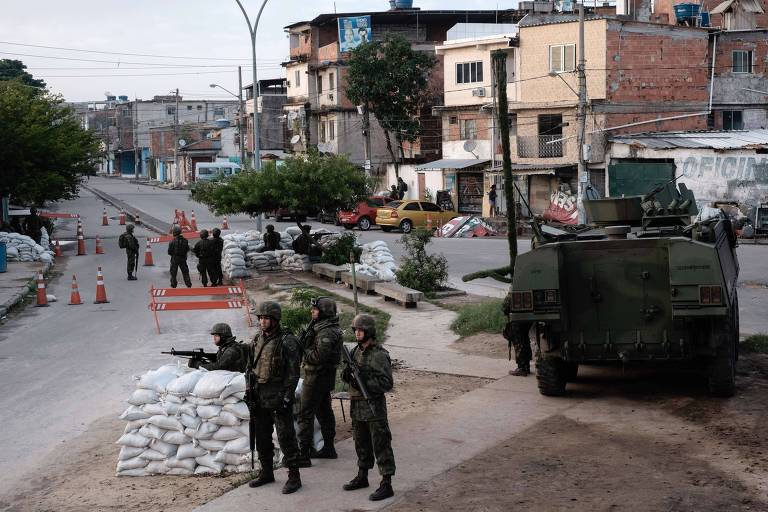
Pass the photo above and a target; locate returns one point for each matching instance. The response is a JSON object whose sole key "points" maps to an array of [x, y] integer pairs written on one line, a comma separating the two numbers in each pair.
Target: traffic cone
{"points": [[99, 248], [136, 219], [225, 223], [80, 241], [74, 298], [42, 298], [104, 218], [193, 221], [122, 217], [429, 223], [57, 249], [148, 262], [101, 292]]}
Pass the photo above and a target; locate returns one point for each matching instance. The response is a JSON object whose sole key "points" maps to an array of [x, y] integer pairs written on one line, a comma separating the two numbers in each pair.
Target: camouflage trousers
{"points": [[373, 440], [518, 336], [316, 402], [132, 256], [280, 419]]}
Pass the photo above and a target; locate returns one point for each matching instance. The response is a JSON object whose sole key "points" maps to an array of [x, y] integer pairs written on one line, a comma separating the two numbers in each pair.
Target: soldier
{"points": [[305, 244], [218, 248], [273, 364], [204, 252], [271, 239], [177, 250], [517, 338], [322, 353], [370, 428], [128, 242], [32, 225], [231, 355]]}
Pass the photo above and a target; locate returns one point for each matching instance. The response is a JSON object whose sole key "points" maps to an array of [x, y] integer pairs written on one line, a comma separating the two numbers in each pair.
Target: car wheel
{"points": [[364, 223], [386, 229], [406, 226]]}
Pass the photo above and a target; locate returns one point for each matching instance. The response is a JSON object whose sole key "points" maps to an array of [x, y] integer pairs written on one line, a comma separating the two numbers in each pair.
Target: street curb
{"points": [[24, 290], [147, 220]]}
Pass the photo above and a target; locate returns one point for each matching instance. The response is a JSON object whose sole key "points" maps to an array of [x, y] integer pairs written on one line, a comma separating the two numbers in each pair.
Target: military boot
{"points": [[303, 460], [384, 491], [326, 452], [266, 475], [520, 371], [359, 482], [294, 481]]}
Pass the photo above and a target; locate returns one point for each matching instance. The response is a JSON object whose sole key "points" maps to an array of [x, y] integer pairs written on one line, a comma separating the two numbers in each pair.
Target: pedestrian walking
{"points": [[272, 376], [218, 249], [205, 258], [177, 250], [492, 200], [322, 353], [402, 188], [370, 428], [128, 242]]}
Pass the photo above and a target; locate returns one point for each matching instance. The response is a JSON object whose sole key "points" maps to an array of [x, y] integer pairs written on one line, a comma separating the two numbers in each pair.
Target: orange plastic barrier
{"points": [[167, 238], [58, 215]]}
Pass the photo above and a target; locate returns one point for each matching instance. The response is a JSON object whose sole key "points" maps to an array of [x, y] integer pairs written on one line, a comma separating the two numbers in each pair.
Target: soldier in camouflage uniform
{"points": [[128, 242], [517, 337], [231, 354], [370, 427], [273, 360], [218, 249], [322, 353], [177, 250], [204, 250]]}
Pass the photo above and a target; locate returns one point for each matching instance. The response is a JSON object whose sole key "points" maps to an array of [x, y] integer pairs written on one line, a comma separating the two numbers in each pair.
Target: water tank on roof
{"points": [[401, 4], [687, 14], [222, 123], [122, 98]]}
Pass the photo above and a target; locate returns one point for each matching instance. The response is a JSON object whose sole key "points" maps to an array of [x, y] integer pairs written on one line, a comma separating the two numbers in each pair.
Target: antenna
{"points": [[469, 147]]}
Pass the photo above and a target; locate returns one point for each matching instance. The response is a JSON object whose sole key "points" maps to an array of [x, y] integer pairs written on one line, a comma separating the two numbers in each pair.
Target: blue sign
{"points": [[353, 32]]}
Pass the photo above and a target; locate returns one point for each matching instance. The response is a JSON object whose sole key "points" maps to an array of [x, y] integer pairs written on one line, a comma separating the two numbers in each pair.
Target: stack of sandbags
{"points": [[286, 240], [262, 261], [377, 261], [23, 248], [296, 263], [328, 240], [233, 261]]}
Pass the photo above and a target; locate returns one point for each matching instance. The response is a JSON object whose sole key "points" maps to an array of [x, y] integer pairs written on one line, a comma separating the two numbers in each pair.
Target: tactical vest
{"points": [[269, 364]]}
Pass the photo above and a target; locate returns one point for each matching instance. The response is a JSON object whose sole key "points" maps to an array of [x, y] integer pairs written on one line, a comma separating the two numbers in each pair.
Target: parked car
{"points": [[329, 217], [285, 213], [363, 215], [406, 215]]}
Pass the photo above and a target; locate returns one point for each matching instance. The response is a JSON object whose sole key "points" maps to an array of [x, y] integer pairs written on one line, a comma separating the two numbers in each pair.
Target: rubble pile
{"points": [[376, 260], [23, 248]]}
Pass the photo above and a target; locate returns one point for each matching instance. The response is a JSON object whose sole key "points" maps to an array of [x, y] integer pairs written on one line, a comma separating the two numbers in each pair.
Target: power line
{"points": [[118, 62]]}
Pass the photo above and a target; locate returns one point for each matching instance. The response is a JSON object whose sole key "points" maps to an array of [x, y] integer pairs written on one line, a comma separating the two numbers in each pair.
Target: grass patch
{"points": [[483, 317], [757, 343]]}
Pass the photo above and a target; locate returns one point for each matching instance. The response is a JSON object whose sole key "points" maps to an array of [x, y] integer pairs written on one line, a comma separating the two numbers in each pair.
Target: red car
{"points": [[364, 214]]}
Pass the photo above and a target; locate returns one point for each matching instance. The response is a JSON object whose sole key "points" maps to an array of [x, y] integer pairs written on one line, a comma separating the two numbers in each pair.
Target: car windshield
{"points": [[394, 204]]}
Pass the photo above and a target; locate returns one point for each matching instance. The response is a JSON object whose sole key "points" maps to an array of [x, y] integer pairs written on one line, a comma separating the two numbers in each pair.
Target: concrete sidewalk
{"points": [[18, 281]]}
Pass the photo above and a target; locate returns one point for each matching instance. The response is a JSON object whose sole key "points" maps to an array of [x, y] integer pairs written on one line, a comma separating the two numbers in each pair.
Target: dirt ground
{"points": [[636, 447], [483, 344], [81, 475]]}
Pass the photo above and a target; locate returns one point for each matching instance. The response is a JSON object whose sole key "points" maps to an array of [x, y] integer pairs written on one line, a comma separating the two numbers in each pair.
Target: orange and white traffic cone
{"points": [[122, 217], [57, 249], [101, 292], [80, 241], [148, 262], [136, 219], [225, 223], [193, 221], [99, 248], [74, 297], [104, 218], [42, 298], [429, 223]]}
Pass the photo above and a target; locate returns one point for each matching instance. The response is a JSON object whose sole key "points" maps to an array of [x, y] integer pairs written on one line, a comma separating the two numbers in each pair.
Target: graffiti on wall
{"points": [[562, 208], [728, 177]]}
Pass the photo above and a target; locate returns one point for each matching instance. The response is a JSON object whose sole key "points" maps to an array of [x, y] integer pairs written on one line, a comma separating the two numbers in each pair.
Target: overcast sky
{"points": [[214, 30]]}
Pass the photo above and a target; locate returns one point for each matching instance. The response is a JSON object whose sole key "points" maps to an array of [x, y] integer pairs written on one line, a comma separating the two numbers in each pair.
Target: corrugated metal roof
{"points": [[537, 19], [451, 163], [696, 140]]}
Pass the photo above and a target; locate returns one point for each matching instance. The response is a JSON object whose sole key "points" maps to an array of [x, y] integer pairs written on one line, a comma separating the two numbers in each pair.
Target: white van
{"points": [[205, 171]]}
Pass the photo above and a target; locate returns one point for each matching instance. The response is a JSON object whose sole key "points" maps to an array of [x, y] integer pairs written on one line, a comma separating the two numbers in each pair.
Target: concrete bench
{"points": [[392, 291], [332, 272], [365, 283]]}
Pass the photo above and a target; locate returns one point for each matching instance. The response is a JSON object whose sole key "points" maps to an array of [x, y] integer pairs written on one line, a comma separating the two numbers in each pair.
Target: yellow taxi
{"points": [[407, 215]]}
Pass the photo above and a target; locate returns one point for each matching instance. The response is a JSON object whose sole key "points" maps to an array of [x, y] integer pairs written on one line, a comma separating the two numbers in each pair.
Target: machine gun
{"points": [[356, 375], [305, 333], [197, 355]]}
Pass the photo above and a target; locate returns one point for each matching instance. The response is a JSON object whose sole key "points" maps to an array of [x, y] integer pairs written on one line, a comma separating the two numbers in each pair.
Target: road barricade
{"points": [[230, 297], [59, 215], [189, 235]]}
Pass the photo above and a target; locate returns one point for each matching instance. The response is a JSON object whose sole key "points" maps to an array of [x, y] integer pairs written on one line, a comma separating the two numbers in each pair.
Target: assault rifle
{"points": [[305, 333], [197, 354], [356, 375]]}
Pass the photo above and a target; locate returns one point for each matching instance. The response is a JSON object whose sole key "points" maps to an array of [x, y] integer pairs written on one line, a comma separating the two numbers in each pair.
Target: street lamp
{"points": [[240, 118]]}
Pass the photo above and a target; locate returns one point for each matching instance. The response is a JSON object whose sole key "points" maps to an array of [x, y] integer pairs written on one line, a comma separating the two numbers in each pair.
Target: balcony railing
{"points": [[539, 146]]}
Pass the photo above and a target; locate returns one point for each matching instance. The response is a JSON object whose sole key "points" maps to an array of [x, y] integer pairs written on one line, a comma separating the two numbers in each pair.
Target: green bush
{"points": [[483, 317], [756, 343], [338, 253], [419, 270]]}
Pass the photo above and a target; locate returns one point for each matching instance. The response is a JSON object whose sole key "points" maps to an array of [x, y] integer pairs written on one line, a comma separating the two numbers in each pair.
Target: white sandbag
{"points": [[157, 467], [239, 409], [236, 385], [225, 419], [205, 431], [208, 411], [176, 438], [186, 383], [239, 445], [211, 445], [213, 384], [159, 379], [133, 472], [135, 425], [134, 413], [189, 451], [180, 472], [188, 421], [143, 396], [134, 440], [129, 452], [166, 449], [152, 431], [227, 434], [232, 459], [190, 432], [173, 398], [205, 470], [151, 454], [189, 409], [171, 408], [199, 401], [166, 422], [187, 463], [154, 409], [207, 461], [134, 463], [229, 400]]}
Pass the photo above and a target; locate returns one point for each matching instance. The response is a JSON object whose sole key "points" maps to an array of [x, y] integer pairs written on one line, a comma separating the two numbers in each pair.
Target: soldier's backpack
{"points": [[121, 242], [405, 187]]}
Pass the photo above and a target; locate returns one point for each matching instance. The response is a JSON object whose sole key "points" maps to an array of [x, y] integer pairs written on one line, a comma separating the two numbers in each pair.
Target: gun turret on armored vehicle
{"points": [[650, 283]]}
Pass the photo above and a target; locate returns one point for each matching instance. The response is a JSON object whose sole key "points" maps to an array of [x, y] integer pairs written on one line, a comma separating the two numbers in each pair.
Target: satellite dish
{"points": [[469, 146], [292, 115], [182, 143], [295, 139]]}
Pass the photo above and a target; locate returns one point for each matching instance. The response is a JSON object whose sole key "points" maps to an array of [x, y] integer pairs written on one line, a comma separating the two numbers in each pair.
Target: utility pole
{"points": [[136, 153], [176, 135], [581, 114], [240, 127], [367, 135], [499, 62]]}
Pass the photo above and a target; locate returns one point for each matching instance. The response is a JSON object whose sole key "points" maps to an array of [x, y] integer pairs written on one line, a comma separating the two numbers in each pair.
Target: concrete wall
{"points": [[299, 93], [457, 94], [433, 180]]}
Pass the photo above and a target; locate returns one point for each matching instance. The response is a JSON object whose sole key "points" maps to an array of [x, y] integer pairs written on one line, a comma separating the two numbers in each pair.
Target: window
{"points": [[322, 131], [733, 120], [375, 202], [469, 72], [171, 111], [467, 129], [199, 107], [296, 79], [412, 206], [319, 85], [742, 61], [512, 124], [218, 112], [562, 58], [189, 107], [126, 112], [453, 120], [331, 81], [429, 207], [331, 130]]}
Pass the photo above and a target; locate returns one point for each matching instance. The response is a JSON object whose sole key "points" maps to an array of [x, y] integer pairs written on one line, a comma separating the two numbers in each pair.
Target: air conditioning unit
{"points": [[479, 92]]}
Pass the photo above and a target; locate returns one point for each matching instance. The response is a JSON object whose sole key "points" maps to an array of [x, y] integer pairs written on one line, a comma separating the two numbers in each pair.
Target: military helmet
{"points": [[129, 228], [269, 308], [176, 230], [366, 323], [326, 306], [216, 231], [222, 329], [204, 234]]}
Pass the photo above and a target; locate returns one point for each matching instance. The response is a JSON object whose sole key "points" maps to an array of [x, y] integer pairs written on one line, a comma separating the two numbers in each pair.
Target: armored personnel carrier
{"points": [[648, 284]]}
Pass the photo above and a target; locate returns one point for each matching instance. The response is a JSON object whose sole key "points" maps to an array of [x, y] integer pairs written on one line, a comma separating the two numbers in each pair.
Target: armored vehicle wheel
{"points": [[571, 371], [551, 375], [722, 370]]}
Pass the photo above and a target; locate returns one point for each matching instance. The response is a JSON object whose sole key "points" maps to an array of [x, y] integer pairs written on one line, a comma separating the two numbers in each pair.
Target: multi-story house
{"points": [[272, 119]]}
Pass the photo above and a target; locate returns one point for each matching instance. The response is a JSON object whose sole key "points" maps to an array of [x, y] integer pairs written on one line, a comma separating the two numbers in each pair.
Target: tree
{"points": [[391, 80], [45, 151], [304, 181], [16, 70]]}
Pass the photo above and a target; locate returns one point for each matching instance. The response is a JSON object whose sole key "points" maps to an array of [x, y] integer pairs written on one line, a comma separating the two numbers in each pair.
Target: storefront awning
{"points": [[533, 169], [451, 163]]}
